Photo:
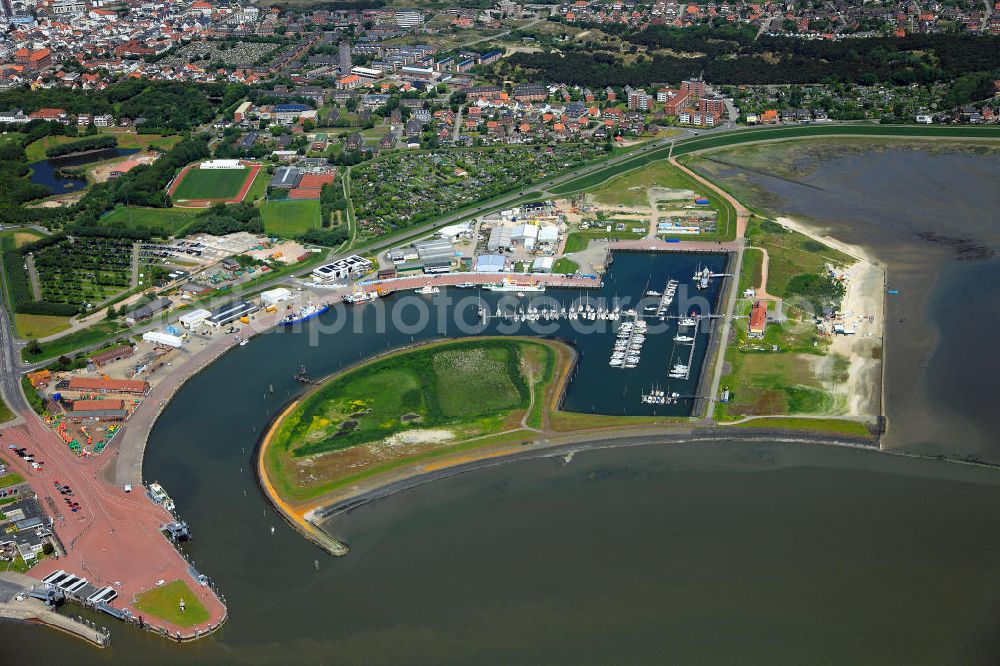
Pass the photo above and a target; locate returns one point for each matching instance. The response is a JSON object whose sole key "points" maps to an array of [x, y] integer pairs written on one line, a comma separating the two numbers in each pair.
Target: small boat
{"points": [[652, 293], [360, 297], [428, 289], [244, 341], [683, 338]]}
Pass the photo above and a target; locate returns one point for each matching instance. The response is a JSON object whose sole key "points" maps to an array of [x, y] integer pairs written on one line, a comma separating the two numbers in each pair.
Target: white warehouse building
{"points": [[275, 296], [162, 338], [195, 317]]}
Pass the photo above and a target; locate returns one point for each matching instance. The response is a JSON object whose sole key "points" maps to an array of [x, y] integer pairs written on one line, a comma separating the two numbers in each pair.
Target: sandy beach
{"points": [[863, 311]]}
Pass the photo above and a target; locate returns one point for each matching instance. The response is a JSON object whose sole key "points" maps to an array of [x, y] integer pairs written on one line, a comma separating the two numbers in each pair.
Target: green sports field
{"points": [[290, 218], [210, 184]]}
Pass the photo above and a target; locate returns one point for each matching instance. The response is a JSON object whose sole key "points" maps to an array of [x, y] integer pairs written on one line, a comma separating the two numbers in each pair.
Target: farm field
{"points": [[208, 184], [290, 218], [161, 221], [163, 602]]}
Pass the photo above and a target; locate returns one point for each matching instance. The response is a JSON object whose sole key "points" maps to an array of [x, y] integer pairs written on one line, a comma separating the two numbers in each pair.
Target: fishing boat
{"points": [[306, 312], [428, 289]]}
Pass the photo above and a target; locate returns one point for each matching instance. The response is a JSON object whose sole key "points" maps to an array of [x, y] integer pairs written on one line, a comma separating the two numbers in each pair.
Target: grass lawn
{"points": [[579, 240], [259, 186], [35, 150], [6, 414], [164, 603], [630, 189], [73, 341], [39, 326], [162, 221], [750, 273], [211, 183], [290, 218], [565, 266], [128, 139], [13, 477], [789, 253]]}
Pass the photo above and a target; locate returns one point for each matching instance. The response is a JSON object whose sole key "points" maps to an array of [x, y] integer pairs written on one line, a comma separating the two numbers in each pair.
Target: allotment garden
{"points": [[404, 189]]}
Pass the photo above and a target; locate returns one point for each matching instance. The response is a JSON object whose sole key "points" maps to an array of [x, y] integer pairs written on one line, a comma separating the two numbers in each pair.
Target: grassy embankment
{"points": [[778, 374], [336, 437], [424, 390], [163, 602], [723, 139], [831, 426]]}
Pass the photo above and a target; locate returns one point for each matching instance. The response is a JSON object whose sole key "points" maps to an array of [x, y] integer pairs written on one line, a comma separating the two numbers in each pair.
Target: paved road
{"points": [[36, 290]]}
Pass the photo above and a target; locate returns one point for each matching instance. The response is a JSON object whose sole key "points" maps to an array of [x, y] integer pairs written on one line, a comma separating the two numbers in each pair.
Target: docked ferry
{"points": [[160, 496], [510, 286], [304, 313]]}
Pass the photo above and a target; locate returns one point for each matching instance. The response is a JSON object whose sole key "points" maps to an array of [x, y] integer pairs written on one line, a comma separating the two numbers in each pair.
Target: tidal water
{"points": [[46, 172], [928, 213], [687, 554]]}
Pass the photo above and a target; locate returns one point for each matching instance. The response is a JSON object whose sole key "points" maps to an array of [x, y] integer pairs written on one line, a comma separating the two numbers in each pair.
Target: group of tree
{"points": [[164, 105], [770, 60], [221, 219]]}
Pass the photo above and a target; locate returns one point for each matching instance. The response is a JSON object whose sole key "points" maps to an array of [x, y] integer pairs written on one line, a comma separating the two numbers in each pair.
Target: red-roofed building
{"points": [[108, 385], [55, 115], [33, 59], [758, 320]]}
